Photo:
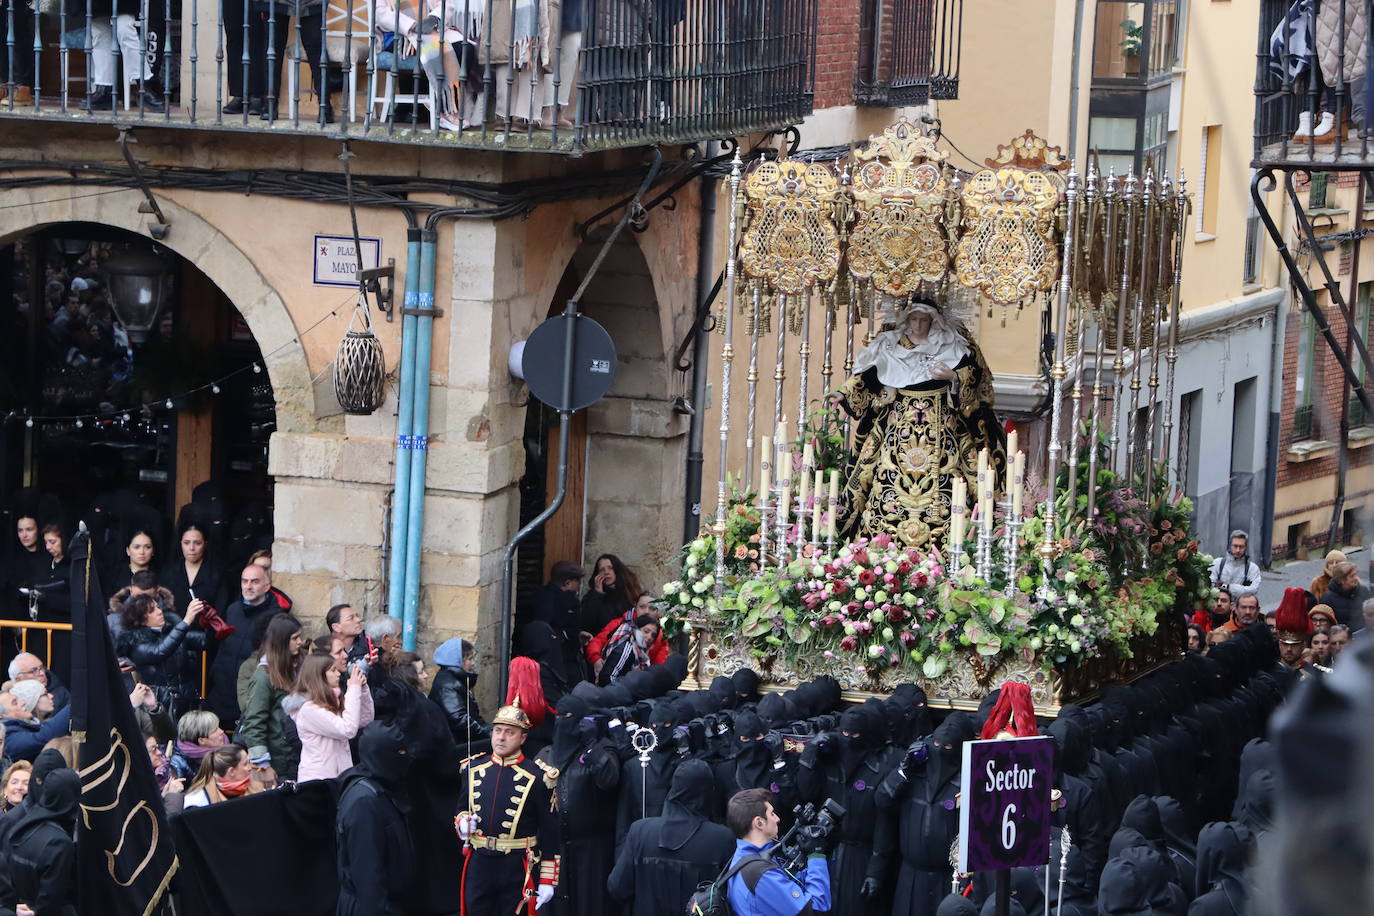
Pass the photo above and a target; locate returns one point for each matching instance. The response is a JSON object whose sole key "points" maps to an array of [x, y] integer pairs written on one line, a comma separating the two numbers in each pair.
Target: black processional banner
{"points": [[125, 858]]}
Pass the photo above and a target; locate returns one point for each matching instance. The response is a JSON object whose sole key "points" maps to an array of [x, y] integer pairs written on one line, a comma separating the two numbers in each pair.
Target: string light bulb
{"points": [[126, 418], [79, 424], [29, 422], [257, 369], [214, 389], [169, 403]]}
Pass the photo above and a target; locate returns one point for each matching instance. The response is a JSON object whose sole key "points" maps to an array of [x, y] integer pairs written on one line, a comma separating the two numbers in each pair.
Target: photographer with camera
{"points": [[1236, 571], [762, 887]]}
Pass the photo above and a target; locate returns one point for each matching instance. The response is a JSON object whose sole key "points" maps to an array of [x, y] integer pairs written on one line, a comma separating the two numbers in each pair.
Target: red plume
{"points": [[525, 684], [1291, 617], [1014, 712]]}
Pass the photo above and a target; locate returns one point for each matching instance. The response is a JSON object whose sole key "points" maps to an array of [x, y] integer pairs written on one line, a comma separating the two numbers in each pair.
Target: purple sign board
{"points": [[1004, 813]]}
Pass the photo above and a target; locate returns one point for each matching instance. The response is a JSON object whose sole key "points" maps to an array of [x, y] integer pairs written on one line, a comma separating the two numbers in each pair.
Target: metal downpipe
{"points": [[400, 499], [419, 451]]}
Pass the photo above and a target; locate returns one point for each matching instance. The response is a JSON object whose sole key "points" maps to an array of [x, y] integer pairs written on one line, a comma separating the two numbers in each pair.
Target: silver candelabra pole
{"points": [[1010, 532]]}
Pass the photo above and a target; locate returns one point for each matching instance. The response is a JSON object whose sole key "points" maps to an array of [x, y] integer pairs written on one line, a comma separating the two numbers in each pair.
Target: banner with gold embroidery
{"points": [[125, 858]]}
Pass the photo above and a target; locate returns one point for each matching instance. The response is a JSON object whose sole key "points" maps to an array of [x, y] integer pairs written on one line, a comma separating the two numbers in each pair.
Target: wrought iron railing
{"points": [[1309, 85], [909, 51], [1303, 427], [629, 73]]}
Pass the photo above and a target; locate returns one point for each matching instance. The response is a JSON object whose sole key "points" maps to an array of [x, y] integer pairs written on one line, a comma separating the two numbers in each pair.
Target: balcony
{"points": [[644, 72], [1307, 110], [908, 52]]}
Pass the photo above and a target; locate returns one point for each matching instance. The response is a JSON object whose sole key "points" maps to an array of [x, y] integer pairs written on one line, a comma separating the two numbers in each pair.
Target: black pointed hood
{"points": [[686, 807]]}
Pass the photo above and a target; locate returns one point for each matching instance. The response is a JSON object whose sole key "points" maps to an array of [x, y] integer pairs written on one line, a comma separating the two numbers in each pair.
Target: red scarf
{"points": [[234, 788]]}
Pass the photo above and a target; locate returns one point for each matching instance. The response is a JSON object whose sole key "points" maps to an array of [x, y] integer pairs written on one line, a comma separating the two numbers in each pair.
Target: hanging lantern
{"points": [[360, 368], [138, 285]]}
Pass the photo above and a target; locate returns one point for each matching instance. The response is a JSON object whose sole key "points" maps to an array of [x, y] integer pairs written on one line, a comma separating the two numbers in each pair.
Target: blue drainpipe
{"points": [[400, 500], [419, 431]]}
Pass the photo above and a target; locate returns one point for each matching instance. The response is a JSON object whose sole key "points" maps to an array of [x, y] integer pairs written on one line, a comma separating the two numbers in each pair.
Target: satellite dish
{"points": [[594, 362]]}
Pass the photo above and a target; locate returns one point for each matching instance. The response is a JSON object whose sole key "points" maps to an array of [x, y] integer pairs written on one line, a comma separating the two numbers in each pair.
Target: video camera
{"points": [[810, 832]]}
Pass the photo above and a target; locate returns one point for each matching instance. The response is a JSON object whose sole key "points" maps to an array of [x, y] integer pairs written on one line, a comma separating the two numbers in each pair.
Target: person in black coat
{"points": [[376, 859], [39, 853], [665, 858], [193, 573], [560, 667], [849, 768], [1223, 847], [164, 649], [922, 788], [589, 771], [1136, 882], [1082, 808], [255, 602], [644, 787], [451, 689], [755, 762], [557, 603]]}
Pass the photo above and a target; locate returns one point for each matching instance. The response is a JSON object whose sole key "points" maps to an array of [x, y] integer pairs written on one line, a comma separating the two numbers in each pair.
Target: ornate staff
{"points": [[752, 391], [1108, 261], [1059, 372], [727, 355], [1064, 843], [1128, 225], [780, 359], [1165, 204], [1171, 357], [644, 741], [1084, 243], [1141, 298], [804, 368]]}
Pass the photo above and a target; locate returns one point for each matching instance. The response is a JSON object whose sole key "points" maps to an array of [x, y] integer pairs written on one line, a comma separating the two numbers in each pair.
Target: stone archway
{"points": [[31, 209]]}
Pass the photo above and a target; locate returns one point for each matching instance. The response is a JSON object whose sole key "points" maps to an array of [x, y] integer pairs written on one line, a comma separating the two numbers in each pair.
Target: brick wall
{"points": [[837, 52], [1326, 385]]}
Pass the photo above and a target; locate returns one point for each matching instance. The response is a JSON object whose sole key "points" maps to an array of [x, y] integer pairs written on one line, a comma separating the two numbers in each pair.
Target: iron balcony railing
{"points": [[491, 74], [908, 51], [1310, 89]]}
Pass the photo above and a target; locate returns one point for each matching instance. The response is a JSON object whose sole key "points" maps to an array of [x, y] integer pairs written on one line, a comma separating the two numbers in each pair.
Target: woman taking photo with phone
{"points": [[329, 718]]}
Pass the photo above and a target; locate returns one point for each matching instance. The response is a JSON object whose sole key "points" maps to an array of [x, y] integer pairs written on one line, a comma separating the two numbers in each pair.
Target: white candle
{"points": [[785, 504], [816, 509], [781, 432], [958, 507], [765, 468], [804, 490], [1018, 483], [1012, 440], [831, 502]]}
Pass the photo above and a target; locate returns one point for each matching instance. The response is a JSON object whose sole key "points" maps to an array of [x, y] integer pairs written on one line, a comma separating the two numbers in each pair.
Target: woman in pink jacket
{"points": [[327, 720]]}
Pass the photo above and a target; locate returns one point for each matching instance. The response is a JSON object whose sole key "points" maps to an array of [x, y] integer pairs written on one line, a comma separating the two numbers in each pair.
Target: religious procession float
{"points": [[890, 531]]}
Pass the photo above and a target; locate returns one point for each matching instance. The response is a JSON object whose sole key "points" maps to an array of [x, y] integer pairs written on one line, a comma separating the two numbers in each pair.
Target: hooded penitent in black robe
{"points": [[559, 667], [376, 859], [665, 858], [1142, 815], [435, 787], [753, 763], [1136, 882], [1222, 850], [908, 716], [588, 772], [1178, 838], [39, 854], [644, 786], [1077, 898], [1081, 812], [928, 822], [851, 775]]}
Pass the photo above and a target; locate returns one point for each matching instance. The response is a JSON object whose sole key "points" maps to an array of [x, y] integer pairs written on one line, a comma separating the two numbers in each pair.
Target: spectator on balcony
{"points": [[254, 72], [135, 47], [559, 99], [16, 85], [520, 50], [448, 60]]}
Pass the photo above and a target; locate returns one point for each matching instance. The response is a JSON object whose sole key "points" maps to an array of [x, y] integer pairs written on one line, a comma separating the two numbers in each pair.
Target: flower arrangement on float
{"points": [[875, 604]]}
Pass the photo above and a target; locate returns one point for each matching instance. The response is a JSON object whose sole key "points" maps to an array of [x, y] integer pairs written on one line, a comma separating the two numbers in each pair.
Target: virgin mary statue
{"points": [[922, 398]]}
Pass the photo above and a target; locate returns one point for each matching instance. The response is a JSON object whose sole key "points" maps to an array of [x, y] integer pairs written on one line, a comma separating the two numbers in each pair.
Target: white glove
{"points": [[544, 896], [466, 824]]}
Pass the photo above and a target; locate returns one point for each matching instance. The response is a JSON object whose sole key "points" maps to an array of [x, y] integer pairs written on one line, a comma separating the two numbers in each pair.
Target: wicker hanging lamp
{"points": [[360, 366]]}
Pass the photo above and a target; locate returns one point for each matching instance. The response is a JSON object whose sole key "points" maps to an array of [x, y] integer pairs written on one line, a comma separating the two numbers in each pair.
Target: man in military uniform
{"points": [[1294, 627], [508, 828]]}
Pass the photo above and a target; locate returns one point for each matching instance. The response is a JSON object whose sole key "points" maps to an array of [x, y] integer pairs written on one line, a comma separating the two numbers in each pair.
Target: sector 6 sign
{"points": [[1004, 815]]}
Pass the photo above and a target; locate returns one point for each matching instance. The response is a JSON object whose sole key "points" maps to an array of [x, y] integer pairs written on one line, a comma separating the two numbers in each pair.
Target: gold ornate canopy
{"points": [[791, 241], [902, 197]]}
